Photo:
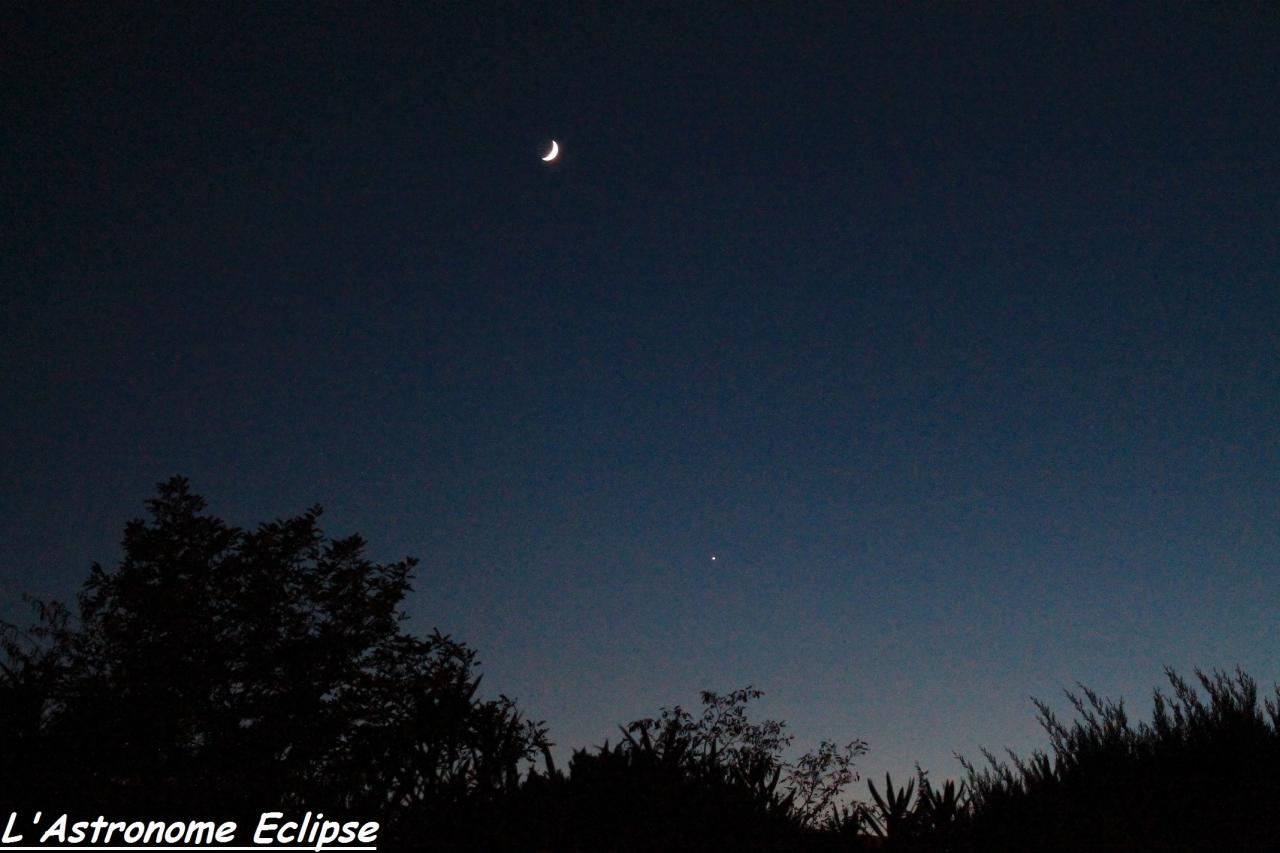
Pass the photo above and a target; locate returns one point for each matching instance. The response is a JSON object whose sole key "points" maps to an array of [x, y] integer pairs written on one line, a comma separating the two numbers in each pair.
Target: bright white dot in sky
{"points": [[713, 558]]}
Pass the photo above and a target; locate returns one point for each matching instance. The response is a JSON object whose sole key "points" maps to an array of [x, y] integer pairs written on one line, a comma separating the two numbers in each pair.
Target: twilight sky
{"points": [[951, 331]]}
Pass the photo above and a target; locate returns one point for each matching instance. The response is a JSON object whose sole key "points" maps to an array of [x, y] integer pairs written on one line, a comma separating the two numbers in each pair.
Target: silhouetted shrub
{"points": [[714, 781]]}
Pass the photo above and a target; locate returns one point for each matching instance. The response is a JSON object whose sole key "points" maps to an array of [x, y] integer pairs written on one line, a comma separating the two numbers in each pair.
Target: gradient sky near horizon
{"points": [[952, 331]]}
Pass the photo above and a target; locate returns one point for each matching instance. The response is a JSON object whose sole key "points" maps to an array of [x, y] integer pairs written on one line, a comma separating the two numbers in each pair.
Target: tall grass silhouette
{"points": [[1201, 775]]}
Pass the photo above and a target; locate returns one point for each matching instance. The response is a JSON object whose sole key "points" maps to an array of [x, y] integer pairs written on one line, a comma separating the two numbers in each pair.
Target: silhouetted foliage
{"points": [[1202, 775], [682, 781], [934, 820], [218, 671]]}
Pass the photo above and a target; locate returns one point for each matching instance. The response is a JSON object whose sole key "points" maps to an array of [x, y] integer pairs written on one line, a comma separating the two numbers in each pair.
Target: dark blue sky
{"points": [[950, 331]]}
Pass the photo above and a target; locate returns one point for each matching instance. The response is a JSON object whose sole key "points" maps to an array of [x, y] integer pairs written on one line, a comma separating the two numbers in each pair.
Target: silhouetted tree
{"points": [[223, 671]]}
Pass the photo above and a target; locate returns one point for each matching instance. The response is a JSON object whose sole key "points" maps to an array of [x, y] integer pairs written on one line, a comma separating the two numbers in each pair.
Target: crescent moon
{"points": [[553, 153]]}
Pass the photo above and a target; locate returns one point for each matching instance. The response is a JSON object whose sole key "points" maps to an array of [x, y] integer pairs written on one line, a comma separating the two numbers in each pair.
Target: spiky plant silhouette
{"points": [[1200, 776], [894, 818]]}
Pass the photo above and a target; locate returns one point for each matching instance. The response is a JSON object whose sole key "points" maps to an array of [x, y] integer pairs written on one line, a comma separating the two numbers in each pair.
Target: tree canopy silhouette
{"points": [[217, 670]]}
